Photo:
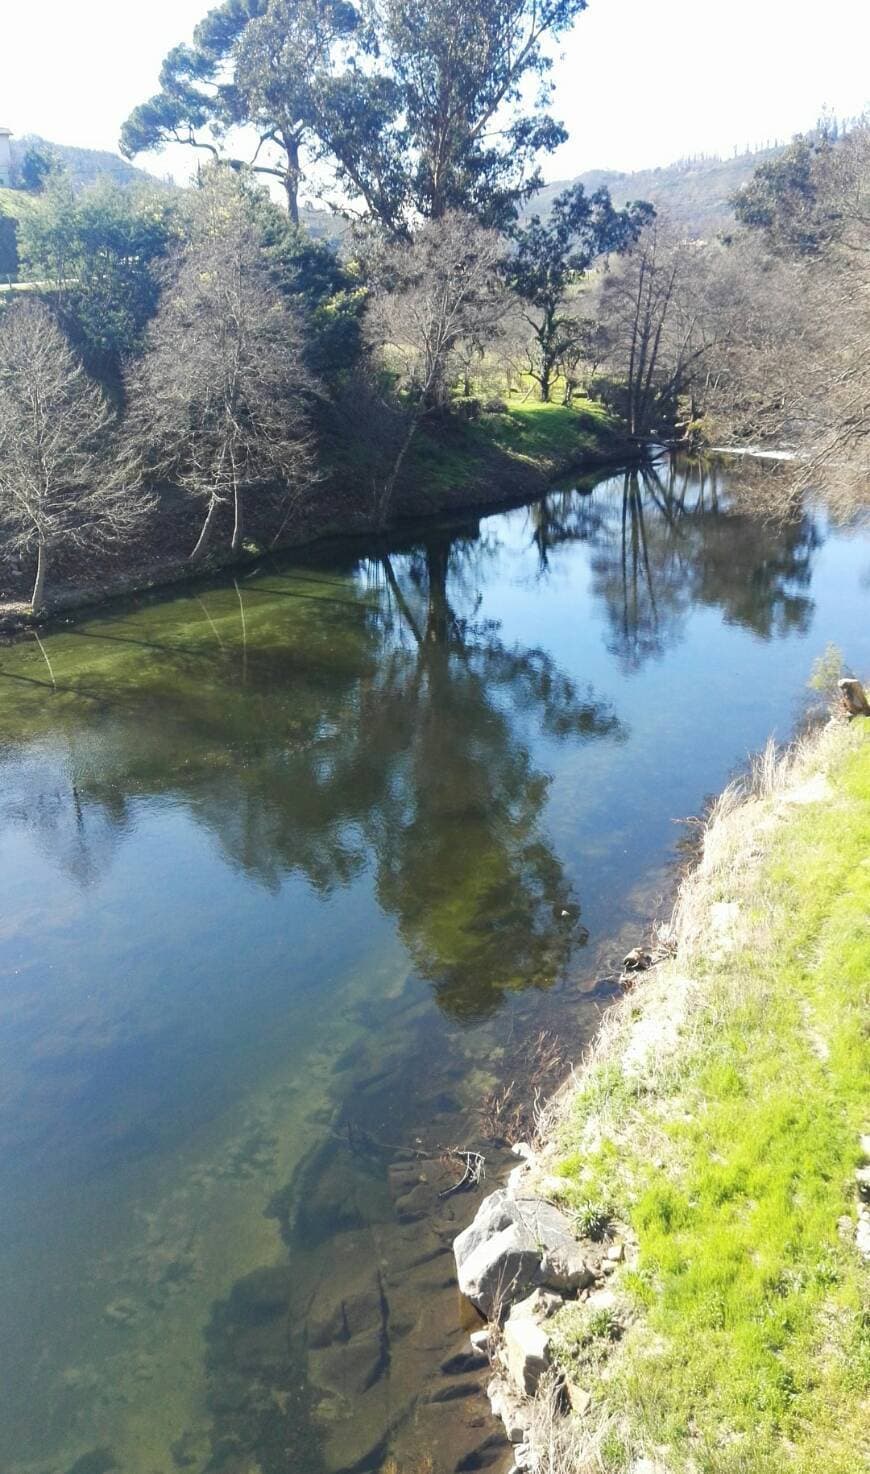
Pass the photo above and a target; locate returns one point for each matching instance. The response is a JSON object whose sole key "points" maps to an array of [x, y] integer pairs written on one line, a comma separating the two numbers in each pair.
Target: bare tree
{"points": [[218, 405], [664, 324], [441, 290], [53, 424], [798, 374]]}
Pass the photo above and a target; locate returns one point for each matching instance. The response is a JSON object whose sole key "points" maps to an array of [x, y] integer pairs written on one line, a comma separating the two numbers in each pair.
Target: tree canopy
{"points": [[552, 253], [101, 250], [413, 109]]}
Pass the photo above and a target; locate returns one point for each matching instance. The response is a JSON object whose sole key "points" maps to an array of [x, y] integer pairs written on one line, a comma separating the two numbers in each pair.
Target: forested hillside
{"points": [[695, 194], [83, 165]]}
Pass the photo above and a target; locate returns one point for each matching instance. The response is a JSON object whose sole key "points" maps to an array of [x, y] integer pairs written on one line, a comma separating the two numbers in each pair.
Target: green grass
{"points": [[750, 1353], [549, 437], [544, 431]]}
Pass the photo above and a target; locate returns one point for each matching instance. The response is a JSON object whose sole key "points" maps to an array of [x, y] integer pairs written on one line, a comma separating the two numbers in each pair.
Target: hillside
{"points": [[84, 165], [694, 193]]}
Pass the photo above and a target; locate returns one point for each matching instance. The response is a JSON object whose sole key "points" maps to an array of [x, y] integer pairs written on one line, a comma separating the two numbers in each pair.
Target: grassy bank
{"points": [[718, 1124], [457, 462], [455, 465]]}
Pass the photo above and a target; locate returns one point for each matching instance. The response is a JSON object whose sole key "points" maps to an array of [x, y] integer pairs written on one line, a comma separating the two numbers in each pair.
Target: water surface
{"points": [[300, 872]]}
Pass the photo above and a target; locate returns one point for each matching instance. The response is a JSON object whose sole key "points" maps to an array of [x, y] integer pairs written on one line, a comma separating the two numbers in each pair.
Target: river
{"points": [[309, 877]]}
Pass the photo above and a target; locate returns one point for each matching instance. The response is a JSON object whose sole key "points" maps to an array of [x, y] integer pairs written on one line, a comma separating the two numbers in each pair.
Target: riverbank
{"points": [[708, 1151], [493, 461]]}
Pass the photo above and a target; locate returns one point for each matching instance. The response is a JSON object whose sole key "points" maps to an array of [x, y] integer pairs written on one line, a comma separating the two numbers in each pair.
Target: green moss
{"points": [[752, 1350]]}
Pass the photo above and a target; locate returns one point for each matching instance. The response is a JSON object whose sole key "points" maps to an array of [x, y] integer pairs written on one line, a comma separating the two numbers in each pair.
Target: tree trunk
{"points": [[438, 615], [238, 528], [291, 180], [545, 384], [36, 602], [854, 697], [205, 535]]}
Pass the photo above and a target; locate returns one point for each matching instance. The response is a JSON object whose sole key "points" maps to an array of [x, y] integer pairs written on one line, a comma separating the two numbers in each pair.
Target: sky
{"points": [[638, 83]]}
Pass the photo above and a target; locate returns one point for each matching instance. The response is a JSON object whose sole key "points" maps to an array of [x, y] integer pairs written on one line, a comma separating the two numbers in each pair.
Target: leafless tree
{"points": [[53, 428], [660, 329], [441, 290], [797, 375], [433, 294], [218, 405]]}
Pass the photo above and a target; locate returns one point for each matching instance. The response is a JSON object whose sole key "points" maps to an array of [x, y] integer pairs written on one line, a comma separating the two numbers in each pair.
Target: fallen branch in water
{"points": [[475, 1169]]}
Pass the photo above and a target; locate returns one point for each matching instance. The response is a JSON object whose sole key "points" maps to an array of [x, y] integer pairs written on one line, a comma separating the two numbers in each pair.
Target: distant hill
{"points": [[694, 193], [84, 165]]}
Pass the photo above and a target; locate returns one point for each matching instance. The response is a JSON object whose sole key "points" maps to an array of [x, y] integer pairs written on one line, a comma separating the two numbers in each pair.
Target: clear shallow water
{"points": [[295, 870]]}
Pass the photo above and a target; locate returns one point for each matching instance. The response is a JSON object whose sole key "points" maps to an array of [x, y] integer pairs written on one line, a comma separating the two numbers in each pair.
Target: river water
{"points": [[309, 877]]}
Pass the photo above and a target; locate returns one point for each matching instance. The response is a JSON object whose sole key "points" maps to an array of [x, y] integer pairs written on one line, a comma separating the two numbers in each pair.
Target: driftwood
{"points": [[853, 697]]}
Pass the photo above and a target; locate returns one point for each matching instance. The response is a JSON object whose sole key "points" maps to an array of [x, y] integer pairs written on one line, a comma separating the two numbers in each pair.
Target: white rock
{"points": [[602, 1300], [527, 1344], [480, 1340], [514, 1244], [565, 1268], [499, 1269], [508, 1409], [515, 1177], [616, 1253], [580, 1399]]}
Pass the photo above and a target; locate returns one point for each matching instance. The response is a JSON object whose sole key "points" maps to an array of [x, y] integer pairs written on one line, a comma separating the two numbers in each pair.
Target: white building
{"points": [[5, 158]]}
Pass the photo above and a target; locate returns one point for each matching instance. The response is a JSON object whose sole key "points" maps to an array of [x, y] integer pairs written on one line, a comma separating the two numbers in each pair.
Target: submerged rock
{"points": [[637, 960]]}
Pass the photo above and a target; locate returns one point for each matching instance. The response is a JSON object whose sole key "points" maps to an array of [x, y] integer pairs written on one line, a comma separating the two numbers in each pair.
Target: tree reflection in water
{"points": [[665, 541], [378, 724], [323, 723]]}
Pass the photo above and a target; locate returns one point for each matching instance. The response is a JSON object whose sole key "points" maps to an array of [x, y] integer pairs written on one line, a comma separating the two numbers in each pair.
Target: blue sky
{"points": [[638, 83]]}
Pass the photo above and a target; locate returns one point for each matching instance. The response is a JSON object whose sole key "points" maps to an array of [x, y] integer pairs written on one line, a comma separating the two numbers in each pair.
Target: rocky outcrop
{"points": [[517, 1244], [518, 1262]]}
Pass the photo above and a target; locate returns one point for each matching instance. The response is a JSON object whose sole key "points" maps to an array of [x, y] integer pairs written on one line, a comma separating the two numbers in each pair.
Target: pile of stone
{"points": [[518, 1262]]}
